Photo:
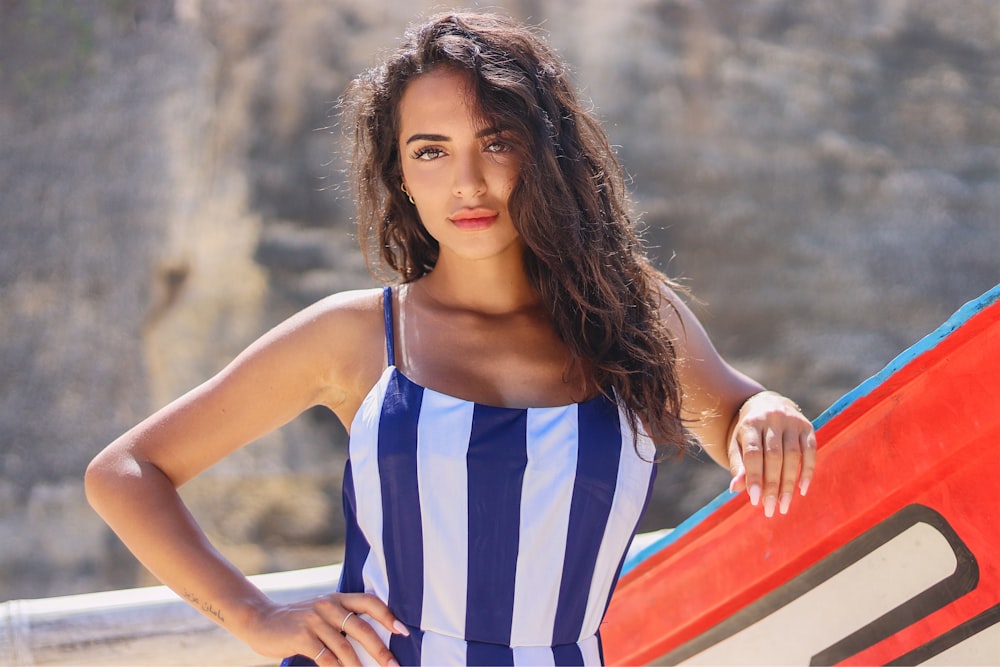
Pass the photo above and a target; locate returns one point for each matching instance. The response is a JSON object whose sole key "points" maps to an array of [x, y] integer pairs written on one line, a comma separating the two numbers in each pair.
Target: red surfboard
{"points": [[892, 558]]}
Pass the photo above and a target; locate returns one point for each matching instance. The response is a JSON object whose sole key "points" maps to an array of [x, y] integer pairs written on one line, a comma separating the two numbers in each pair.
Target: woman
{"points": [[504, 401]]}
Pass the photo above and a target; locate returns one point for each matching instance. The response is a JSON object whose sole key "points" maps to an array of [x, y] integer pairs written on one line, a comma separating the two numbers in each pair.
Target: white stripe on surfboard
{"points": [[918, 558]]}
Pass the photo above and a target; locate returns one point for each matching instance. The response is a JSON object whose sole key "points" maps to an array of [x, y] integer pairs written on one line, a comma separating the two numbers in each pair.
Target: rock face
{"points": [[823, 175]]}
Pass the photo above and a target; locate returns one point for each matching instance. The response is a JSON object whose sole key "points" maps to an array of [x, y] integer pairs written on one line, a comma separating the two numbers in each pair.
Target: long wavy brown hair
{"points": [[570, 206]]}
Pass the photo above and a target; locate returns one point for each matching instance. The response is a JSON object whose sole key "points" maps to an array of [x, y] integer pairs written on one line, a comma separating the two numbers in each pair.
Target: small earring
{"points": [[402, 186]]}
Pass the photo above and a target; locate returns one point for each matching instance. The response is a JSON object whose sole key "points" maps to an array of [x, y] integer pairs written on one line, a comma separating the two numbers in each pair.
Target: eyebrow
{"points": [[488, 132]]}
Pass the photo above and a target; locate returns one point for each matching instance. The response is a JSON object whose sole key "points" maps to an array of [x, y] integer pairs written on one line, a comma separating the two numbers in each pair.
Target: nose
{"points": [[468, 178]]}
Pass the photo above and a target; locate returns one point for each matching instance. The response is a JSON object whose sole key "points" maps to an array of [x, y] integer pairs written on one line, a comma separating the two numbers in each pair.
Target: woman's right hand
{"points": [[319, 629]]}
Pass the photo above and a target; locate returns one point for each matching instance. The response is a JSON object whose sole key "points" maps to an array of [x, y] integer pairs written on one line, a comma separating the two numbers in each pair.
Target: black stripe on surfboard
{"points": [[961, 581], [952, 638]]}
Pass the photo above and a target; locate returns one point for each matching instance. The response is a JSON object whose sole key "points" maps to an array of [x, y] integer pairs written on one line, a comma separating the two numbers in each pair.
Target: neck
{"points": [[489, 286]]}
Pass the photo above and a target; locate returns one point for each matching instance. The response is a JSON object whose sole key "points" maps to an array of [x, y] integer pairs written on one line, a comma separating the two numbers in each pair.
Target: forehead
{"points": [[440, 97]]}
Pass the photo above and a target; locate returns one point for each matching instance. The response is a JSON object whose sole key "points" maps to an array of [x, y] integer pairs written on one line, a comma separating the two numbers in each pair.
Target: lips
{"points": [[472, 219]]}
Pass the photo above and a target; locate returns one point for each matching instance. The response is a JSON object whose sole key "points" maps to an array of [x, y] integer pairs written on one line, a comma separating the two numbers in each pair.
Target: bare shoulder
{"points": [[334, 345], [674, 311], [321, 355], [347, 329], [347, 310], [343, 318]]}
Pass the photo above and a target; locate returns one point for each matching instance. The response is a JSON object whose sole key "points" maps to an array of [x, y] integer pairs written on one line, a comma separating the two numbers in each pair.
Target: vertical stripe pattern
{"points": [[496, 461], [550, 463], [495, 534], [443, 435], [356, 550], [599, 449], [402, 537]]}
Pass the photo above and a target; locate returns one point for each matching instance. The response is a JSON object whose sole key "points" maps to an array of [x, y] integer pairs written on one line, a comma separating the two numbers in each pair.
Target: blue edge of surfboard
{"points": [[928, 342]]}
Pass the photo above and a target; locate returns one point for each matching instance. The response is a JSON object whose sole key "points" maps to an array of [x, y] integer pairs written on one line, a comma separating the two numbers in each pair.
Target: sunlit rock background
{"points": [[823, 175]]}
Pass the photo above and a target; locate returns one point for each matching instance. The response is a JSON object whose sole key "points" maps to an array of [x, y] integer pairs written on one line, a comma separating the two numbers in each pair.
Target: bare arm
{"points": [[133, 482], [760, 436]]}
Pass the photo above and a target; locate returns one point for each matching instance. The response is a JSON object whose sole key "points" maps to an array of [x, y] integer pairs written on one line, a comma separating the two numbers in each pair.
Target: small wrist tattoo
{"points": [[205, 606]]}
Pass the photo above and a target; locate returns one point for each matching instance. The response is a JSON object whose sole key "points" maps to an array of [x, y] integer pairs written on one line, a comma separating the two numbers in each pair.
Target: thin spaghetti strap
{"points": [[390, 337]]}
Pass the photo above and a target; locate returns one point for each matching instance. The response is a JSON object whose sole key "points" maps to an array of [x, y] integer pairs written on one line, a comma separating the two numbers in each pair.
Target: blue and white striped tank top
{"points": [[495, 534]]}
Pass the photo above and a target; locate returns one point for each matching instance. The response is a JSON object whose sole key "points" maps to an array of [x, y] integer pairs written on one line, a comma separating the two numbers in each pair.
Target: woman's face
{"points": [[459, 172]]}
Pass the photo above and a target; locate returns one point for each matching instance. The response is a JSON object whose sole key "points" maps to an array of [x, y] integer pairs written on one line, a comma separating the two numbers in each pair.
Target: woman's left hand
{"points": [[772, 451]]}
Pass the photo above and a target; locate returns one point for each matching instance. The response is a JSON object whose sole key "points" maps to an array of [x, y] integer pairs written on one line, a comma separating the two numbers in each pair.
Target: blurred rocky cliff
{"points": [[825, 176]]}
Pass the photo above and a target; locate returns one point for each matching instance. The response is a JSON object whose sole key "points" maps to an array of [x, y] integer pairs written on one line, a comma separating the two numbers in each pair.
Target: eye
{"points": [[498, 146], [427, 153]]}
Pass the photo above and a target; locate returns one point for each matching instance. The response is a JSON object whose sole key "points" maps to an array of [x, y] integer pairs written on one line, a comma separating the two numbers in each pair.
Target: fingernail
{"points": [[803, 486], [769, 503], [754, 492], [401, 629], [784, 502], [392, 663]]}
